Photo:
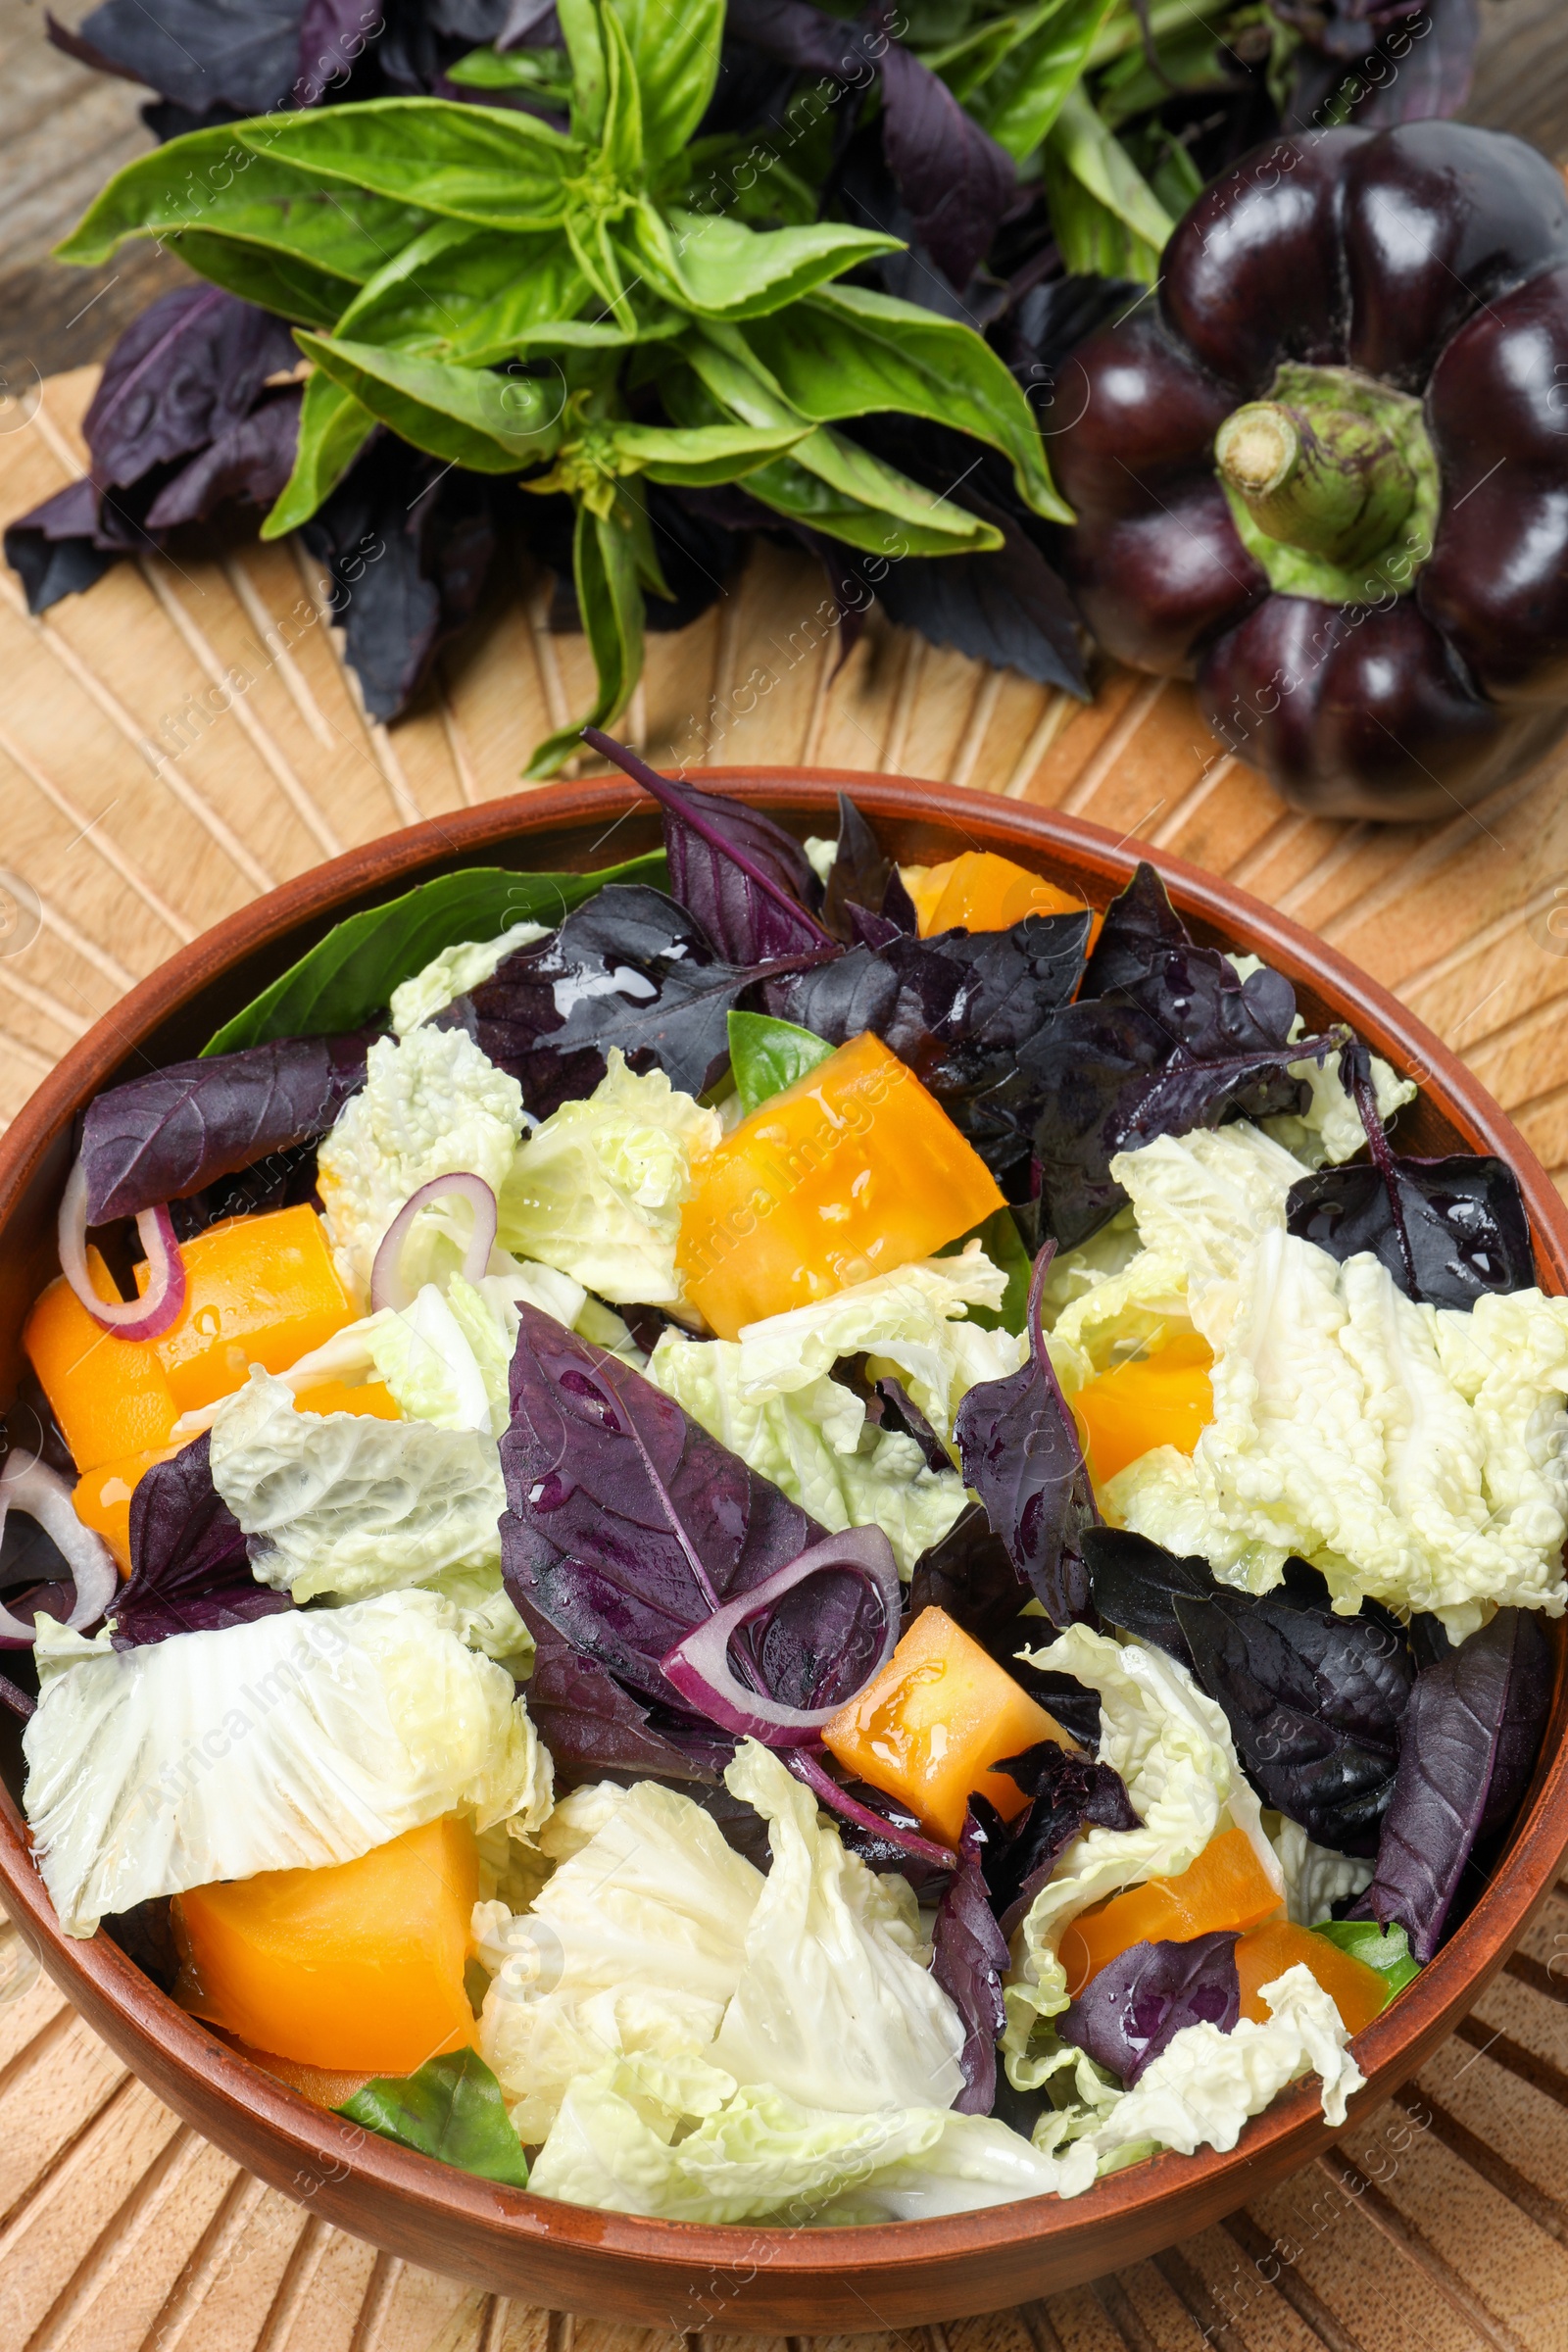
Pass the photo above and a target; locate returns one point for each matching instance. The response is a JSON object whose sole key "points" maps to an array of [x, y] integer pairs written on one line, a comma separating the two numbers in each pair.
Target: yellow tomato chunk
{"points": [[983, 892], [931, 1724], [259, 1291], [1358, 1992], [101, 1498], [110, 1396], [354, 1968], [1159, 1399], [851, 1171], [1227, 1886]]}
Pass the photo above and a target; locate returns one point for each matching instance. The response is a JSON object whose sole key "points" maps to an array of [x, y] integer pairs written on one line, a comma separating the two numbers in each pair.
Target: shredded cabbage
{"points": [[454, 972], [432, 1104], [1315, 1877], [597, 1189], [349, 1505], [291, 1743], [815, 1444]]}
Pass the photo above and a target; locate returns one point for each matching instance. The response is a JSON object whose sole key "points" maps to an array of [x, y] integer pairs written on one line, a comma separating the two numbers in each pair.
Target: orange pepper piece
{"points": [[1160, 1400], [850, 1172], [357, 1966], [372, 1397], [1358, 1992], [929, 1726], [259, 1291], [110, 1396], [1227, 1886], [101, 1498], [983, 892]]}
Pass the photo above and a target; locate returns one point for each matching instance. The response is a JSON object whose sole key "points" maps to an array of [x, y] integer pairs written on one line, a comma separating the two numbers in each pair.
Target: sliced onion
{"points": [[387, 1287], [698, 1667], [131, 1318], [46, 1497], [822, 1784]]}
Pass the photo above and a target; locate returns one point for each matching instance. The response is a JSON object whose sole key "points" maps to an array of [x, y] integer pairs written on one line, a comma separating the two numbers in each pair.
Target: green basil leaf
{"points": [[600, 263], [609, 598], [451, 2109], [544, 72], [717, 268], [622, 147], [210, 181], [675, 56], [847, 351], [790, 487], [967, 63], [346, 980], [744, 177], [1083, 148], [468, 163], [709, 453], [1387, 1949], [1002, 1243], [492, 424], [295, 289], [488, 300], [766, 1055], [1021, 100], [333, 428], [582, 32]]}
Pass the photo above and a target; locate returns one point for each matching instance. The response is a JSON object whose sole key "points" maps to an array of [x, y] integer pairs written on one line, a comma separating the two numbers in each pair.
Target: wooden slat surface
{"points": [[136, 812]]}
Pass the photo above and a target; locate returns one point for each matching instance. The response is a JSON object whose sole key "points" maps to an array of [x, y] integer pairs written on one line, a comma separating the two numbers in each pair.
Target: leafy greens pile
{"points": [[640, 265]]}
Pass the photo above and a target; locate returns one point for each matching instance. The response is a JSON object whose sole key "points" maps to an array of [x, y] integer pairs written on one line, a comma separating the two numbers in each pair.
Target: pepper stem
{"points": [[1331, 466]]}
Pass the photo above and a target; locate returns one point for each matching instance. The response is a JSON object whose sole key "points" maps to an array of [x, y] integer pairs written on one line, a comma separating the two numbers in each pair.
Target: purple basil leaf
{"points": [[858, 877], [54, 550], [1315, 1702], [1446, 1230], [407, 543], [954, 179], [1131, 2010], [1008, 605], [628, 1525], [1141, 926], [1472, 1737], [903, 1415], [592, 1723], [1135, 1583], [189, 1569], [957, 1009], [201, 53], [1068, 1794], [1107, 1076], [1404, 63], [745, 880], [1020, 1454], [167, 1135], [333, 35], [250, 460], [628, 968], [969, 1958], [188, 368], [970, 1576]]}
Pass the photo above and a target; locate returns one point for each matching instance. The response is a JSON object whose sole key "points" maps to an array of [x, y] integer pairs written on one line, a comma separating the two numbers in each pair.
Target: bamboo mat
{"points": [[185, 736]]}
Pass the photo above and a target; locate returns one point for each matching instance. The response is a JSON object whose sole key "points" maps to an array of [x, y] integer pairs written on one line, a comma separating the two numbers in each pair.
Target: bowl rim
{"points": [[170, 2046]]}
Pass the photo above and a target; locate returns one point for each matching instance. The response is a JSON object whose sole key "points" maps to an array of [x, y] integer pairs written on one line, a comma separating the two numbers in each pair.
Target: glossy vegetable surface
{"points": [[261, 1290], [102, 1496], [934, 1721], [1158, 1400], [111, 1397], [1372, 330], [357, 1967], [851, 1171], [982, 892], [1227, 1886], [1358, 1992]]}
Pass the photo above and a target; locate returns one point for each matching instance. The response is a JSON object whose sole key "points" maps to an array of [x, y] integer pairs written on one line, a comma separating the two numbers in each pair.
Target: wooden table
{"points": [[187, 735]]}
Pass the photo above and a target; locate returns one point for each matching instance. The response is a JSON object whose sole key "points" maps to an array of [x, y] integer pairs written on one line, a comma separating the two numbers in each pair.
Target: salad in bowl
{"points": [[809, 1541]]}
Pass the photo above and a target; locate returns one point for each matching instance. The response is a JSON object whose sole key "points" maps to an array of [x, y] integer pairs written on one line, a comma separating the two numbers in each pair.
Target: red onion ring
{"points": [[161, 1303], [826, 1789], [387, 1287], [699, 1666], [46, 1497]]}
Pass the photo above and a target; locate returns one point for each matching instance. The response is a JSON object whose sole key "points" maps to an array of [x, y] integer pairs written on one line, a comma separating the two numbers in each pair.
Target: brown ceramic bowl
{"points": [[674, 2274]]}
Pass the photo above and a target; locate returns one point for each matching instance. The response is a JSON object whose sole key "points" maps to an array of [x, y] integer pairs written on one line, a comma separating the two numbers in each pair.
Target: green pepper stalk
{"points": [[547, 305]]}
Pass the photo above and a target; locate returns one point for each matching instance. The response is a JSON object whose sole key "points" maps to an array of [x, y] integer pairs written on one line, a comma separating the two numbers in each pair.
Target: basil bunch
{"points": [[517, 299]]}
